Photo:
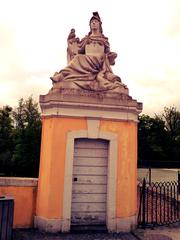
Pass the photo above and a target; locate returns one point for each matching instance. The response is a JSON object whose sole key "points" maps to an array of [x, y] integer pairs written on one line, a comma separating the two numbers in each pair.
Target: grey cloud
{"points": [[173, 28], [6, 37]]}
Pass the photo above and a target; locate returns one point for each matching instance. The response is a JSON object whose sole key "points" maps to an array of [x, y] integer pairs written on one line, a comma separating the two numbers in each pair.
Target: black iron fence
{"points": [[158, 203]]}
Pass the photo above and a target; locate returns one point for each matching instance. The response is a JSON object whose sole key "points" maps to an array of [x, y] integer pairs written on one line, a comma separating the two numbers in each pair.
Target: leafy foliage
{"points": [[159, 137], [171, 116], [6, 140], [152, 138], [27, 138], [24, 137]]}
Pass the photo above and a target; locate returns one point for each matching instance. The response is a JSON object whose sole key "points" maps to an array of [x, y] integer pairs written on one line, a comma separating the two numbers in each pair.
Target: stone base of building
{"points": [[48, 225], [55, 225], [126, 224]]}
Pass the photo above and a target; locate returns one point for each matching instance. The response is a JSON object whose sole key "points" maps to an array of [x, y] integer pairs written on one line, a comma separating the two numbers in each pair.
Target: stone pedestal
{"points": [[70, 114]]}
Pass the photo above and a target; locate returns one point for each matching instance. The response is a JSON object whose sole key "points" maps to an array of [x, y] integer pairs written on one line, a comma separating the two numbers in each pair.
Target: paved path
{"points": [[171, 232], [152, 235], [158, 175]]}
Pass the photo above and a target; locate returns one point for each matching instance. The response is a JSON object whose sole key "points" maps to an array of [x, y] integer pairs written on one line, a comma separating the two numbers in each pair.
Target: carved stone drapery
{"points": [[89, 62]]}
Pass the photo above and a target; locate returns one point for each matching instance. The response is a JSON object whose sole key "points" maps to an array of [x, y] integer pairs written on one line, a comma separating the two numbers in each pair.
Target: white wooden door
{"points": [[89, 184]]}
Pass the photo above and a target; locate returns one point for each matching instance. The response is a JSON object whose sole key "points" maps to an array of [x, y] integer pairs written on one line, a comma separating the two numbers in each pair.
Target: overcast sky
{"points": [[144, 33]]}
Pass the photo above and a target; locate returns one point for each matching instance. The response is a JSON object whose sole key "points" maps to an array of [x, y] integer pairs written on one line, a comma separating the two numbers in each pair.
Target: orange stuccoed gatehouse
{"points": [[88, 165]]}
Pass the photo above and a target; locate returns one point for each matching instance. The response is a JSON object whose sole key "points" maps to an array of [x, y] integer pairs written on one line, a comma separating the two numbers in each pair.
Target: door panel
{"points": [[89, 186]]}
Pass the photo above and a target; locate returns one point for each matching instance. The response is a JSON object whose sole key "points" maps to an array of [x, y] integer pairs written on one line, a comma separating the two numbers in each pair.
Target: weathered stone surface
{"points": [[89, 62], [90, 104]]}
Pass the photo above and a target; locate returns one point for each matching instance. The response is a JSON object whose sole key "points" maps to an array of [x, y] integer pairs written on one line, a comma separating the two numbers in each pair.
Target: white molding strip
{"points": [[112, 176]]}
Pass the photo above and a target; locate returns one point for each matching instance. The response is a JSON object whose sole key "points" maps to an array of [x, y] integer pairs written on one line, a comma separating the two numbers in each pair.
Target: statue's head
{"points": [[96, 18]]}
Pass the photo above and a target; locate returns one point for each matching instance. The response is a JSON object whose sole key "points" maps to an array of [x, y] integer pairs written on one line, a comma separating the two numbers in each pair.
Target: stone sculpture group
{"points": [[89, 62]]}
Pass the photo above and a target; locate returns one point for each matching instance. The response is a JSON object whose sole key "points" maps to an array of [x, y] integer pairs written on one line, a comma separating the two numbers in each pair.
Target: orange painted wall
{"points": [[51, 175], [25, 203], [126, 167], [52, 163]]}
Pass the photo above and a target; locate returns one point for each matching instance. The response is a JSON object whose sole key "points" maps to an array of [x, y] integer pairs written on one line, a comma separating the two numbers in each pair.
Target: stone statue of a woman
{"points": [[89, 62]]}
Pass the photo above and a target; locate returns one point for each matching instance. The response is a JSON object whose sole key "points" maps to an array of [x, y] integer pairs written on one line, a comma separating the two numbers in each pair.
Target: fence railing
{"points": [[158, 203]]}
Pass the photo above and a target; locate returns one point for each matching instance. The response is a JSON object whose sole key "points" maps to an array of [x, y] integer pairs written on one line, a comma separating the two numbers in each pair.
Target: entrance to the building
{"points": [[89, 183]]}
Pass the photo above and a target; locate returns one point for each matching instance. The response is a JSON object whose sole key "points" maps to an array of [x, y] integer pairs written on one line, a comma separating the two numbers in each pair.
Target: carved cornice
{"points": [[83, 103]]}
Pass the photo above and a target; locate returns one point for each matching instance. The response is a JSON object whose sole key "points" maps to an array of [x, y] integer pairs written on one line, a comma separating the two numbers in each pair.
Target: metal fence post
{"points": [[178, 181], [144, 203], [150, 176]]}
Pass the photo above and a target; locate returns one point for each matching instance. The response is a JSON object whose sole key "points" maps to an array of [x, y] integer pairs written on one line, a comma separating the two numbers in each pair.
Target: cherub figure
{"points": [[72, 49], [72, 36]]}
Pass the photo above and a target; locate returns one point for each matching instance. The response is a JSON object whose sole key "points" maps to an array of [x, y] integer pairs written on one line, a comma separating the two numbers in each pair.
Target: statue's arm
{"points": [[106, 44], [111, 55]]}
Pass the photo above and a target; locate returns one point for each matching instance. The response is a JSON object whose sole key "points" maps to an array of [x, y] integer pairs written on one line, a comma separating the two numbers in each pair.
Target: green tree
{"points": [[27, 138], [6, 140], [152, 138], [171, 117]]}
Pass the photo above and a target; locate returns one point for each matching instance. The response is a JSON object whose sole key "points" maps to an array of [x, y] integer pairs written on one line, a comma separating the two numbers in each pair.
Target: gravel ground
{"points": [[32, 234], [162, 233]]}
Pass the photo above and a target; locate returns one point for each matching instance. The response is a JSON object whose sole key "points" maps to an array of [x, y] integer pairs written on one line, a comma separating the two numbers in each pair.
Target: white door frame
{"points": [[112, 175]]}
